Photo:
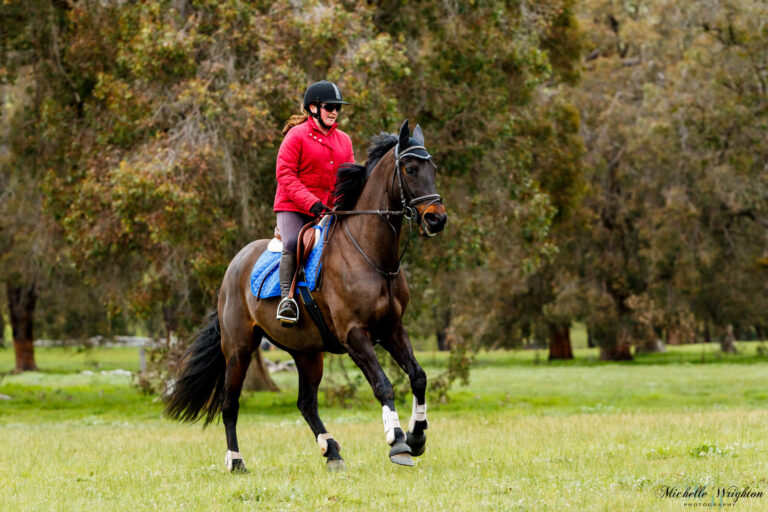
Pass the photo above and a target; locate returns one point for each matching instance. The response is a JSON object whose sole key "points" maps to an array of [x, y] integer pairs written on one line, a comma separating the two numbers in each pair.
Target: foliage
{"points": [[459, 363], [600, 160], [340, 388], [34, 269], [160, 124], [672, 105], [494, 112]]}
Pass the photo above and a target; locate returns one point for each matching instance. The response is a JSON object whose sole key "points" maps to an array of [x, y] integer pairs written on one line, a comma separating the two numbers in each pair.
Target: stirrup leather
{"points": [[284, 306]]}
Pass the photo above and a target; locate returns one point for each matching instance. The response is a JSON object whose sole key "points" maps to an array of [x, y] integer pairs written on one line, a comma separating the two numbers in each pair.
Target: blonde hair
{"points": [[295, 120]]}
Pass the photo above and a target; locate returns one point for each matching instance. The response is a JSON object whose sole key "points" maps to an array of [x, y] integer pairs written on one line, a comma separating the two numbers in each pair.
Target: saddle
{"points": [[308, 238]]}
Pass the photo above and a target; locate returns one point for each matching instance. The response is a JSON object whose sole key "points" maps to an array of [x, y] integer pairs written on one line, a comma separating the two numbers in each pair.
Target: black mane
{"points": [[351, 177], [380, 144]]}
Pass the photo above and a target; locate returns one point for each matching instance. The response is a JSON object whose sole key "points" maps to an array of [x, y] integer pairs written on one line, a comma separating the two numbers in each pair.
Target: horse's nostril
{"points": [[435, 221], [431, 218]]}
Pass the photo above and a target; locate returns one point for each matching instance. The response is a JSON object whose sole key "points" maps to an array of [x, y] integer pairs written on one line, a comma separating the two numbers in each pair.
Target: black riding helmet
{"points": [[322, 92]]}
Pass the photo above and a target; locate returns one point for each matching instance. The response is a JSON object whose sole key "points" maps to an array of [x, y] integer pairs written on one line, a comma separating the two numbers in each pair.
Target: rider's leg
{"points": [[287, 311], [289, 223]]}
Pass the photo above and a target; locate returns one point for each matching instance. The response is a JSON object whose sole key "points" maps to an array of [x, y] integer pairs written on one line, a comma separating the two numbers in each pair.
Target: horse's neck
{"points": [[372, 231]]}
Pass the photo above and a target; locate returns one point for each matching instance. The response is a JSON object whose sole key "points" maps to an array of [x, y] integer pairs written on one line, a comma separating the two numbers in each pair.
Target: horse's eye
{"points": [[410, 170]]}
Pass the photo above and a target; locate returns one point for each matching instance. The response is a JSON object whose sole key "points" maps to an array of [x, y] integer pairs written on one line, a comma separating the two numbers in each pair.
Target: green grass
{"points": [[525, 435], [77, 359]]}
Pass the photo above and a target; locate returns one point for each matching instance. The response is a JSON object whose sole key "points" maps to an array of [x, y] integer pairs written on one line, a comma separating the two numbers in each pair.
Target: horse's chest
{"points": [[375, 301], [388, 310]]}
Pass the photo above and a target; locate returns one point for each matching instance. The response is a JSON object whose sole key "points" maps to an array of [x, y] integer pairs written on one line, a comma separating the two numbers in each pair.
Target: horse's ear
{"points": [[405, 134], [418, 135]]}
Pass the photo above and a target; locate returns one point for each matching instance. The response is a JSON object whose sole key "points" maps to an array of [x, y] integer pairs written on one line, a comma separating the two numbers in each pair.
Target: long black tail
{"points": [[198, 388]]}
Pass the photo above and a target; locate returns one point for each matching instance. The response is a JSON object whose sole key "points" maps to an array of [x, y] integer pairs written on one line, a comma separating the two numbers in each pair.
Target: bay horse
{"points": [[362, 299]]}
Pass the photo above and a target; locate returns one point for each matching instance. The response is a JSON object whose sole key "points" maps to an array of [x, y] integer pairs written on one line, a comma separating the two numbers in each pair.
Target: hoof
{"points": [[399, 448], [417, 443], [403, 459], [237, 466], [335, 465]]}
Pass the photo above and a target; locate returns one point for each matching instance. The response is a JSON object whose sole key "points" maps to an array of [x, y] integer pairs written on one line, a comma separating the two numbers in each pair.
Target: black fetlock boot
{"points": [[288, 309]]}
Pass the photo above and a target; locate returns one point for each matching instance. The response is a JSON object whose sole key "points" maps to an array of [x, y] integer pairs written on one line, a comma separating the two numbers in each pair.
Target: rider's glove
{"points": [[318, 208]]}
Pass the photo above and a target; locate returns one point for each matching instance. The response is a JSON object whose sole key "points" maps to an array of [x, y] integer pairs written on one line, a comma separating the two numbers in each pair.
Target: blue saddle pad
{"points": [[265, 276]]}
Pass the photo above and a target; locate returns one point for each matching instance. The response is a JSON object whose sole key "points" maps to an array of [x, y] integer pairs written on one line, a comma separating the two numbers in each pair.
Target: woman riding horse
{"points": [[362, 300], [311, 152]]}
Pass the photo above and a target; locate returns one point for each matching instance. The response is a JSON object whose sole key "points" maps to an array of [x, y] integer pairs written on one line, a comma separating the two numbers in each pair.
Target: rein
{"points": [[408, 212]]}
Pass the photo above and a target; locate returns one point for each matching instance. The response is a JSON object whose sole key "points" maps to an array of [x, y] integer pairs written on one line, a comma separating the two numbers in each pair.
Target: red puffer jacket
{"points": [[307, 164]]}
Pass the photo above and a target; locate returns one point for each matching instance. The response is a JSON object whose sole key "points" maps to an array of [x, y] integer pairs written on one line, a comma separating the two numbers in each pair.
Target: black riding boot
{"points": [[287, 310]]}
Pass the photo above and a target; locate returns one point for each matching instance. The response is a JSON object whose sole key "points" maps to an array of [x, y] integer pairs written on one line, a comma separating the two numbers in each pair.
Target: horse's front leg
{"points": [[399, 346], [361, 351], [310, 368]]}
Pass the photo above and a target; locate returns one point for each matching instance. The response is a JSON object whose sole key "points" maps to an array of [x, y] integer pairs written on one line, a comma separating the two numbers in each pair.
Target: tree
{"points": [[178, 123], [672, 101], [24, 236], [171, 136], [39, 103], [490, 97]]}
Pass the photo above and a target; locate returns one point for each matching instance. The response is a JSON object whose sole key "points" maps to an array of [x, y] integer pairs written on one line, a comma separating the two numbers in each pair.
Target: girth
{"points": [[304, 248], [330, 342]]}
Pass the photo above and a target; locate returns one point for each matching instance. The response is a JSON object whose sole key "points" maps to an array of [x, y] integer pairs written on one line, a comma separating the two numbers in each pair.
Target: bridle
{"points": [[409, 211]]}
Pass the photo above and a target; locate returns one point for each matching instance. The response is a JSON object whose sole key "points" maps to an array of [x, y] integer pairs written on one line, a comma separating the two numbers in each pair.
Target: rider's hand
{"points": [[318, 208]]}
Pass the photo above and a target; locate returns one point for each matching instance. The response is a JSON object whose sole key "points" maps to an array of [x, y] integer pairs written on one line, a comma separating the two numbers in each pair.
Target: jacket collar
{"points": [[313, 126]]}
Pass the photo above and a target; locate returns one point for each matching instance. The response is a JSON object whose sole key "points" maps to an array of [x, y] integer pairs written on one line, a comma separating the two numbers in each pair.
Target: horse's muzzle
{"points": [[434, 219]]}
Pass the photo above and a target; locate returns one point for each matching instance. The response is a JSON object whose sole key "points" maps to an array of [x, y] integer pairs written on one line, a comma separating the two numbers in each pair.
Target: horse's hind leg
{"points": [[399, 346], [310, 368], [237, 344]]}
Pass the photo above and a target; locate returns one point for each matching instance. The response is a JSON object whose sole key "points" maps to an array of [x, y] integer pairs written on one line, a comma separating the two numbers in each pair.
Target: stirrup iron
{"points": [[288, 321]]}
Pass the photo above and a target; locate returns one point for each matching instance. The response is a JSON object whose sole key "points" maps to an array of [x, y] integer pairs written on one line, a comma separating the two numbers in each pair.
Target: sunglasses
{"points": [[330, 107]]}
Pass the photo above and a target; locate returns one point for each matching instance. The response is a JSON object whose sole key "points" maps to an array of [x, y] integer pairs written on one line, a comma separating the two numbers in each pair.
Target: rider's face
{"points": [[328, 117]]}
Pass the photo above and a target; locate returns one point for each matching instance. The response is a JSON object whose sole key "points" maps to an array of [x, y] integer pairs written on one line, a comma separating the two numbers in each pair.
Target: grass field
{"points": [[524, 435]]}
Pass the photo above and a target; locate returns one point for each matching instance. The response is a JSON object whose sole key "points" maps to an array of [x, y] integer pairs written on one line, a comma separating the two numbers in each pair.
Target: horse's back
{"points": [[245, 259], [236, 280]]}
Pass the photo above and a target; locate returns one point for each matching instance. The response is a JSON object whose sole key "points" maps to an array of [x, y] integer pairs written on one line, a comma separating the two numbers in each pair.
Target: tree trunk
{"points": [[257, 378], [590, 339], [442, 346], [2, 331], [616, 353], [171, 321], [21, 302], [442, 331], [650, 343], [621, 350], [728, 342], [560, 341]]}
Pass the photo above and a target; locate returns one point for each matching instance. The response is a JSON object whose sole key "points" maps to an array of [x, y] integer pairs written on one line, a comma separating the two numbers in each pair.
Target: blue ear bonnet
{"points": [[416, 153], [406, 142]]}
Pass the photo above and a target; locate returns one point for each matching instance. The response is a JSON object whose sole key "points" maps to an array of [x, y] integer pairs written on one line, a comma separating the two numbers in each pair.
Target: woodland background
{"points": [[601, 161]]}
